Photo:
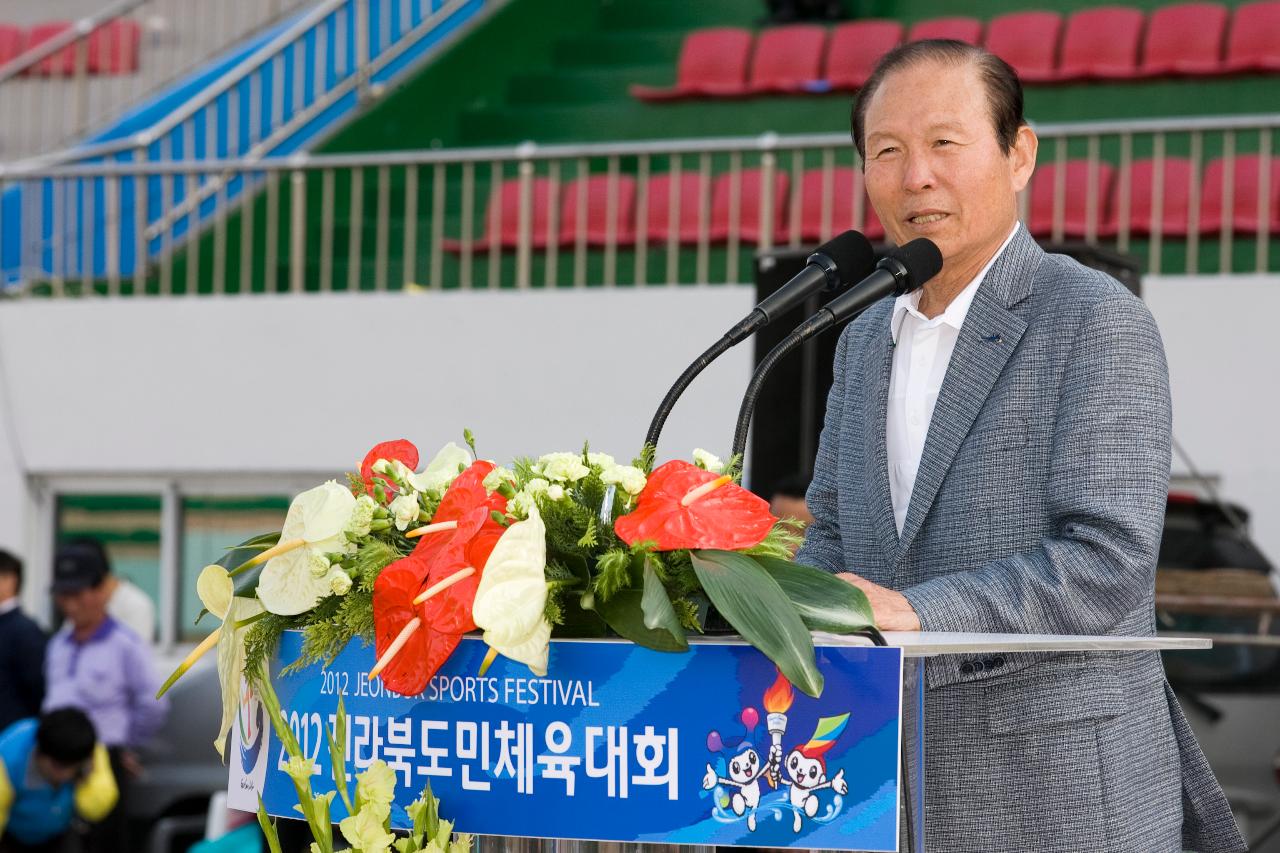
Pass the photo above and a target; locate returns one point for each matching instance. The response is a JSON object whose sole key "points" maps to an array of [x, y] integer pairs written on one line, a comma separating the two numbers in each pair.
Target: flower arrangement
{"points": [[566, 544]]}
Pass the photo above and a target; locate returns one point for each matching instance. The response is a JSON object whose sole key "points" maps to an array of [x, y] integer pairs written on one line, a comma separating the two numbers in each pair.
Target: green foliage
{"points": [[781, 542], [646, 458], [588, 538], [260, 642], [755, 605], [613, 573], [333, 624], [374, 555]]}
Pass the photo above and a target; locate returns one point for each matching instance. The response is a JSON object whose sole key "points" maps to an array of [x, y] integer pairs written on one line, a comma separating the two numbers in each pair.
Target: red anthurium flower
{"points": [[447, 612], [464, 495], [393, 609], [681, 508], [400, 449]]}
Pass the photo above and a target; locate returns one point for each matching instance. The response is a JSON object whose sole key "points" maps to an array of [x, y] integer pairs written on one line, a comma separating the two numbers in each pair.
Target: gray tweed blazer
{"points": [[1038, 509]]}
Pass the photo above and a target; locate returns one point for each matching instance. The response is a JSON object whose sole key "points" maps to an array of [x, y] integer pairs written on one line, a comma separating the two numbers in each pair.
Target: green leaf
{"points": [[268, 828], [624, 613], [825, 602], [337, 737], [246, 583], [659, 615], [755, 605]]}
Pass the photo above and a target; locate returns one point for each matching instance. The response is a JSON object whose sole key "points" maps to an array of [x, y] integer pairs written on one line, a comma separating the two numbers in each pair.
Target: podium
{"points": [[624, 748]]}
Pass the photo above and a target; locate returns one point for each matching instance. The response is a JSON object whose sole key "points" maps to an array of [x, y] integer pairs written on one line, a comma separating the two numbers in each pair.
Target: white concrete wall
{"points": [[1223, 346], [299, 384]]}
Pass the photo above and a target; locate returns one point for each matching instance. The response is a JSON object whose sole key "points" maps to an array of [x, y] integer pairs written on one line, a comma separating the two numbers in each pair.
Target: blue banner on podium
{"points": [[617, 743]]}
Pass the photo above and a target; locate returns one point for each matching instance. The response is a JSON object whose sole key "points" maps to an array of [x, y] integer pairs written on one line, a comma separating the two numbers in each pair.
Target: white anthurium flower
{"points": [[217, 594], [512, 595], [318, 518], [564, 467], [627, 477], [404, 509], [441, 470], [707, 460]]}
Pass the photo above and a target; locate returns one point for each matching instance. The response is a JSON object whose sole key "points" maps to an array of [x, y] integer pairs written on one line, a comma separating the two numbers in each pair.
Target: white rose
{"points": [[628, 477], [555, 493], [339, 582], [565, 467], [522, 505], [319, 564], [537, 486], [496, 478], [601, 460], [706, 460], [404, 509], [362, 516]]}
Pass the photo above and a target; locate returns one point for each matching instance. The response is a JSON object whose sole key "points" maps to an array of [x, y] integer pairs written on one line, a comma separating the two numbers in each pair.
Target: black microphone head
{"points": [[851, 256], [913, 264]]}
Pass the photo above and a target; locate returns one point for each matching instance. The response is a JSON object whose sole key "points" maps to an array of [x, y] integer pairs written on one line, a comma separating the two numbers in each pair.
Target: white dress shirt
{"points": [[921, 355]]}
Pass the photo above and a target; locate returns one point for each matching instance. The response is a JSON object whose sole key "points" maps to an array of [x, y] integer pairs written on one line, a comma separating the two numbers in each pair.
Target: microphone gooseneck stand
{"points": [[903, 270], [845, 258]]}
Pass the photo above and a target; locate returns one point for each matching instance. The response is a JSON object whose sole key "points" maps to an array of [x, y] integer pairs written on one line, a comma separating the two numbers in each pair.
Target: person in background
{"points": [[52, 770], [102, 667], [125, 601], [22, 644]]}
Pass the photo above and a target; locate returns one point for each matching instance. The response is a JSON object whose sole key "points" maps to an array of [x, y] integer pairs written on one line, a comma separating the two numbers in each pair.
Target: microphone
{"points": [[840, 260], [847, 257], [901, 271]]}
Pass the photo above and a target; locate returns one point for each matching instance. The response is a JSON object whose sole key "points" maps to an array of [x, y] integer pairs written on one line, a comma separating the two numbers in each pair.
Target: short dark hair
{"points": [[11, 565], [1004, 89], [66, 735]]}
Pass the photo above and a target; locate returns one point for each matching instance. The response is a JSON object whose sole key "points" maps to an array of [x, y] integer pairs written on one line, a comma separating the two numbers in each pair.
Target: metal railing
{"points": [[86, 75], [324, 62], [612, 214]]}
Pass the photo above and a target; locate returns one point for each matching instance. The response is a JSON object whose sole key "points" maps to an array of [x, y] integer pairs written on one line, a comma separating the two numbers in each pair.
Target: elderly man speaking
{"points": [[995, 458]]}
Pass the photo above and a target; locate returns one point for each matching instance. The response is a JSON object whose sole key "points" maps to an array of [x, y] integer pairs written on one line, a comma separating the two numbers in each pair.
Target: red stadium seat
{"points": [[1076, 198], [502, 217], [1028, 41], [787, 59], [712, 62], [114, 47], [688, 194], [62, 63], [961, 29], [1184, 39], [596, 225], [750, 186], [855, 49], [1175, 203], [1101, 44], [1253, 43], [845, 185], [13, 40], [1245, 190]]}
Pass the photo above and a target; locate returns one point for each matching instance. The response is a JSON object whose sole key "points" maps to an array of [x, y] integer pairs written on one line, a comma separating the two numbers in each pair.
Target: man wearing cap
{"points": [[102, 667]]}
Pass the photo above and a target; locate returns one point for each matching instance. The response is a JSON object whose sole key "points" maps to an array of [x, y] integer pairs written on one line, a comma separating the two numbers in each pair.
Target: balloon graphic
{"points": [[714, 744], [750, 717]]}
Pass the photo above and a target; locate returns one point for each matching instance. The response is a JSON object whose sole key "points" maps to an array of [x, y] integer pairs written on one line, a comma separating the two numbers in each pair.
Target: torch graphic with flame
{"points": [[777, 701]]}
